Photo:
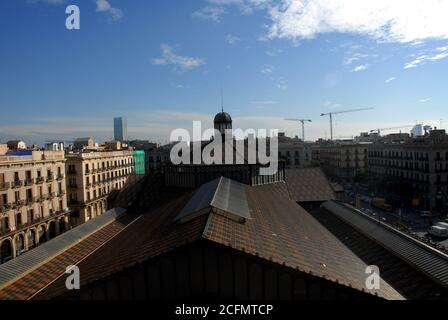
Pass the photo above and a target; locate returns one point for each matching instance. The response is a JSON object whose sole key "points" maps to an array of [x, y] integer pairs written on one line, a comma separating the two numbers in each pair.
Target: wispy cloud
{"points": [[267, 69], [355, 57], [390, 79], [212, 13], [180, 63], [232, 40], [433, 55], [115, 14], [424, 100], [282, 84], [361, 67]]}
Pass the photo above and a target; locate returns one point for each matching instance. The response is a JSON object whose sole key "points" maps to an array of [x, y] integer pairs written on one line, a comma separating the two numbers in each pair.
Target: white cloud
{"points": [[282, 84], [384, 20], [424, 100], [231, 39], [211, 13], [361, 67], [104, 6], [267, 69], [180, 63], [355, 57], [411, 21], [390, 79], [433, 55]]}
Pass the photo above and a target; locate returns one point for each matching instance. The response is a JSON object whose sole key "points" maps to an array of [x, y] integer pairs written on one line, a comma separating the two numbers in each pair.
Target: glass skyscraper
{"points": [[120, 129]]}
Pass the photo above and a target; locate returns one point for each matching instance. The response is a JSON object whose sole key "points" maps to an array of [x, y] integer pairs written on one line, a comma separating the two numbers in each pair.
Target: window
{"points": [[3, 199], [18, 220]]}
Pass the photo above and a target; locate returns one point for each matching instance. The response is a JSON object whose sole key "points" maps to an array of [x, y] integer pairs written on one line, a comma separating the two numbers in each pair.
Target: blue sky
{"points": [[162, 64]]}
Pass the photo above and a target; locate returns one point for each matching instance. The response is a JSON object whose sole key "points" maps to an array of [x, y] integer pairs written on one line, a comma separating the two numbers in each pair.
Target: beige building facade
{"points": [[92, 177], [341, 160], [33, 205], [421, 162]]}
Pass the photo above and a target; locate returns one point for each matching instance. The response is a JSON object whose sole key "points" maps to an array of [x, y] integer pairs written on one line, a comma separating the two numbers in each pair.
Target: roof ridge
{"points": [[216, 190]]}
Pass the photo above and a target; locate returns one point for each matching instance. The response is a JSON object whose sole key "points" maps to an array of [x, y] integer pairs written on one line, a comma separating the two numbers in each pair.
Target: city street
{"points": [[409, 217]]}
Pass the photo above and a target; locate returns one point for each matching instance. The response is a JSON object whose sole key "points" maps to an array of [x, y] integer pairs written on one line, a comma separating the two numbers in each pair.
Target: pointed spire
{"points": [[222, 101]]}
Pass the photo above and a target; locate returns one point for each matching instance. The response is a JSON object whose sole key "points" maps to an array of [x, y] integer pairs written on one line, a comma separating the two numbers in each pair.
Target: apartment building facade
{"points": [[91, 177], [421, 162], [293, 151], [33, 205], [343, 160]]}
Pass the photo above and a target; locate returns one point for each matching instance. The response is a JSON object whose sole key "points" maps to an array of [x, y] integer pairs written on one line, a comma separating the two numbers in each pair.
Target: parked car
{"points": [[438, 232]]}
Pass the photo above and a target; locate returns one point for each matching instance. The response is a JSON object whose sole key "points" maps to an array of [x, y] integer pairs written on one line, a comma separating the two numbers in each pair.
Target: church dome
{"points": [[223, 117]]}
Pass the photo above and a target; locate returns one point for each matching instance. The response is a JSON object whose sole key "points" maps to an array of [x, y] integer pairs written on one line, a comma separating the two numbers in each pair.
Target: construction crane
{"points": [[331, 114], [303, 125], [392, 128]]}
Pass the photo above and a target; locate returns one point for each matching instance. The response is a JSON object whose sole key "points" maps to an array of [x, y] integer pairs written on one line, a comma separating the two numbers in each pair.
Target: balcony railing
{"points": [[5, 207], [4, 186], [60, 177], [50, 178], [40, 180], [22, 226], [29, 182], [17, 183]]}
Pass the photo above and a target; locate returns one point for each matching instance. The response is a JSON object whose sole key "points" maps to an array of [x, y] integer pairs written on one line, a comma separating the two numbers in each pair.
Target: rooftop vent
{"points": [[225, 196]]}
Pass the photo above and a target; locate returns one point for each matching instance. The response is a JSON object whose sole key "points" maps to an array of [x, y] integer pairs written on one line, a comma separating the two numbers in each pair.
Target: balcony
{"points": [[4, 186], [34, 222], [40, 180], [29, 182], [50, 178], [31, 201], [17, 183], [87, 172], [5, 207], [60, 177], [53, 195], [20, 203]]}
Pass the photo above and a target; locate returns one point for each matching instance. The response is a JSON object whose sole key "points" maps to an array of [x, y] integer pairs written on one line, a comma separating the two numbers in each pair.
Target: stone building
{"points": [[420, 163], [33, 205], [341, 160], [92, 176], [293, 151]]}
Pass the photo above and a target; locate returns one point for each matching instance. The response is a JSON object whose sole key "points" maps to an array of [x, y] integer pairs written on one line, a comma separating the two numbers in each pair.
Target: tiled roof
{"points": [[283, 232], [279, 231], [31, 283], [309, 184]]}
